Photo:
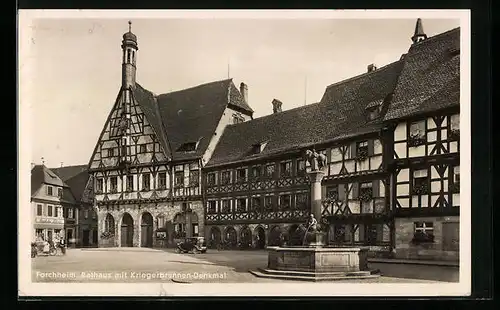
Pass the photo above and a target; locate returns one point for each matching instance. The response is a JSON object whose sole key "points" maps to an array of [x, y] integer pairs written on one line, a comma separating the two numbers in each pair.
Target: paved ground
{"points": [[148, 265]]}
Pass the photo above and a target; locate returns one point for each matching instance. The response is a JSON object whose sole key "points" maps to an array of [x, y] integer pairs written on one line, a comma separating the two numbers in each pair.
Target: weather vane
{"points": [[129, 26]]}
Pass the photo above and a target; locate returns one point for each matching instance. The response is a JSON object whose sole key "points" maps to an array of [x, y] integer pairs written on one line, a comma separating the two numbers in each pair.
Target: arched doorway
{"points": [[246, 238], [260, 236], [231, 237], [161, 235], [127, 231], [215, 237], [147, 230], [275, 236]]}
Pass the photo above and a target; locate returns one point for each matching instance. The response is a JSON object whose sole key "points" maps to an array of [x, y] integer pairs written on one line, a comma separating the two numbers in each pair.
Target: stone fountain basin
{"points": [[318, 259]]}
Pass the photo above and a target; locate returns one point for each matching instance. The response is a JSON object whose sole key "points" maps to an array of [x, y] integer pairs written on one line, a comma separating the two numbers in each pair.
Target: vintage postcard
{"points": [[244, 153]]}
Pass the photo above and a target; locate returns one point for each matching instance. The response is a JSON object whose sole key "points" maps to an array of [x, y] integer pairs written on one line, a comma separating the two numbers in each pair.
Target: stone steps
{"points": [[314, 276]]}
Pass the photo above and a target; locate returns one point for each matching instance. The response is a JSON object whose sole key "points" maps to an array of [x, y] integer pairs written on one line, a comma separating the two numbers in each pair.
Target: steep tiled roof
{"points": [[430, 74], [340, 114], [43, 175], [75, 177], [190, 115]]}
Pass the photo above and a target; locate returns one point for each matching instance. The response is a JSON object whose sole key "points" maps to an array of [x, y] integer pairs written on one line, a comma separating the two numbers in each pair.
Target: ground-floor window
{"points": [[424, 232], [39, 234], [195, 230]]}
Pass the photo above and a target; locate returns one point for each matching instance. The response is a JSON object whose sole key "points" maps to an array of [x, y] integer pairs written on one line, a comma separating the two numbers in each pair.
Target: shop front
{"points": [[47, 228]]}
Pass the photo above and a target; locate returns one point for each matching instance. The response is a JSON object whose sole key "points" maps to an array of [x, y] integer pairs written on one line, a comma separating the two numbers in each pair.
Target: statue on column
{"points": [[316, 160]]}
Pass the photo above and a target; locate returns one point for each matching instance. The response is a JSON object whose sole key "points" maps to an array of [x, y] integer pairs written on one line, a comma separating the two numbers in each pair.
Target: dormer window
{"points": [[238, 119], [373, 109], [258, 147], [188, 147]]}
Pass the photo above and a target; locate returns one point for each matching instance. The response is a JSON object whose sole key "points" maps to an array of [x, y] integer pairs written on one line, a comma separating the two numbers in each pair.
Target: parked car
{"points": [[193, 245]]}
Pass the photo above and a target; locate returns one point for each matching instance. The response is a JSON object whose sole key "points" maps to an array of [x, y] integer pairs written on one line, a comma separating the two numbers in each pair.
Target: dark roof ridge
{"points": [[194, 87], [279, 113], [365, 74]]}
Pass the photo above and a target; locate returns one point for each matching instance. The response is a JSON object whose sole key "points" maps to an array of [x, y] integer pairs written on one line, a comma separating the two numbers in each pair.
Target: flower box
{"points": [[361, 155], [454, 135], [416, 141]]}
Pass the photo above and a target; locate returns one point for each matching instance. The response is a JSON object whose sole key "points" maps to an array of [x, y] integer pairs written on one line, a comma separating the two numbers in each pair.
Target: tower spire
{"points": [[419, 34], [129, 53], [129, 26]]}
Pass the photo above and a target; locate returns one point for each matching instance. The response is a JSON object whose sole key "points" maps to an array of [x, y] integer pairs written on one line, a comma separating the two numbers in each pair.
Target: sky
{"points": [[75, 66]]}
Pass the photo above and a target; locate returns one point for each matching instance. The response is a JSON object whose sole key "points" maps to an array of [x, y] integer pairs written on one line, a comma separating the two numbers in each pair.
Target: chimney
{"points": [[277, 106], [372, 67], [244, 91]]}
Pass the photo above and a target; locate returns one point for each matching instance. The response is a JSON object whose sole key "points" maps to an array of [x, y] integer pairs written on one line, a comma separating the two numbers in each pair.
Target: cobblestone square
{"points": [[139, 265]]}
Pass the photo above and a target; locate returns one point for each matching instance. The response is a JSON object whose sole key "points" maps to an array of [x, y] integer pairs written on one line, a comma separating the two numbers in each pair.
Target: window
{"points": [[49, 210], [417, 134], [187, 147], [238, 119], [270, 170], [258, 147], [301, 201], [366, 191], [194, 178], [162, 180], [59, 212], [424, 232], [94, 215], [39, 233], [60, 192], [285, 202], [241, 205], [256, 172], [420, 181], [111, 152], [372, 233], [212, 206], [114, 184], [128, 56], [160, 221], [241, 175], [146, 182], [211, 179], [70, 213], [130, 183], [362, 148], [195, 230], [286, 169], [49, 190], [455, 181], [100, 185], [256, 203], [225, 206], [85, 214], [39, 210], [301, 167], [179, 179], [455, 122], [143, 148], [268, 202], [225, 177], [332, 192]]}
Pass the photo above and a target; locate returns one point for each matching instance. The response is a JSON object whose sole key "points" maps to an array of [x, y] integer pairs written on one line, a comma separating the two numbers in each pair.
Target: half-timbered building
{"points": [[391, 140], [147, 161], [424, 163]]}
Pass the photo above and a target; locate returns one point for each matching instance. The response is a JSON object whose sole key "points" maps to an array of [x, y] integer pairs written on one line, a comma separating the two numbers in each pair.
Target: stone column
{"points": [[315, 177]]}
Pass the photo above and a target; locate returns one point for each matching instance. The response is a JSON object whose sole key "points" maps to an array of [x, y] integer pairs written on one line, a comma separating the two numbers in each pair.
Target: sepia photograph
{"points": [[244, 153]]}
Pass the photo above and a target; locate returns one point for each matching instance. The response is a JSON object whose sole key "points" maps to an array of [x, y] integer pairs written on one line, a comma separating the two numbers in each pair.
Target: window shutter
{"points": [[355, 190], [353, 150], [342, 192], [376, 188], [370, 147]]}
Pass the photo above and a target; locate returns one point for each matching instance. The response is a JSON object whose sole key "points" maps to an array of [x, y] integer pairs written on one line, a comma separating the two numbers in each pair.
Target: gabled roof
{"points": [[431, 72], [43, 175], [340, 114], [75, 178], [190, 115]]}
